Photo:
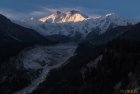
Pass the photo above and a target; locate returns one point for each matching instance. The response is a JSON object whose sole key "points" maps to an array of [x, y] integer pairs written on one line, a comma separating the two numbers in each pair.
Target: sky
{"points": [[24, 8]]}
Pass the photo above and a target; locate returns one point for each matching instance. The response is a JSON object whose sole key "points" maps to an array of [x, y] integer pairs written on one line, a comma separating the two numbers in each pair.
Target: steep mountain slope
{"points": [[112, 68], [11, 32], [14, 37], [133, 33], [110, 34]]}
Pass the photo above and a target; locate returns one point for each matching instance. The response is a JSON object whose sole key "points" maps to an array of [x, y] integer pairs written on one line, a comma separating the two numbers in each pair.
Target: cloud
{"points": [[137, 17], [41, 12], [12, 14], [87, 11], [15, 15]]}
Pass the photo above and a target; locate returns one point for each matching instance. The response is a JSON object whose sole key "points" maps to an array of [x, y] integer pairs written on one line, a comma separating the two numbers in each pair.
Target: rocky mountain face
{"points": [[110, 34], [110, 68]]}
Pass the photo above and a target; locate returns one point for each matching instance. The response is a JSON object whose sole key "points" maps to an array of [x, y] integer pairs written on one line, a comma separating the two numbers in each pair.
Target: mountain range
{"points": [[69, 53], [73, 23]]}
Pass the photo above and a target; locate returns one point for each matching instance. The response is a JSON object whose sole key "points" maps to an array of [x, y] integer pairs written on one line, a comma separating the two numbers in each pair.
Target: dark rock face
{"points": [[133, 33], [109, 35], [116, 72]]}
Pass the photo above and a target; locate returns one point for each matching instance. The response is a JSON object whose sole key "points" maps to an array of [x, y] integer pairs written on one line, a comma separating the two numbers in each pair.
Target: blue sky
{"points": [[126, 8]]}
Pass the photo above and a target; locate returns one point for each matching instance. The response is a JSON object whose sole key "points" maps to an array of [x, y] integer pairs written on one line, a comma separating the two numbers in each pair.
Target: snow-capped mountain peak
{"points": [[111, 20], [113, 16], [110, 14], [60, 17], [75, 12], [56, 12], [54, 17]]}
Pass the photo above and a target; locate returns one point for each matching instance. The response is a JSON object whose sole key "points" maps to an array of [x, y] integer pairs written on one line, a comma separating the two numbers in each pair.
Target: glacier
{"points": [[54, 57]]}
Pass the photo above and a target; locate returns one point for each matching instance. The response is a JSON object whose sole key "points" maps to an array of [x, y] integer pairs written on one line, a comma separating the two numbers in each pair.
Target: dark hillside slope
{"points": [[14, 38]]}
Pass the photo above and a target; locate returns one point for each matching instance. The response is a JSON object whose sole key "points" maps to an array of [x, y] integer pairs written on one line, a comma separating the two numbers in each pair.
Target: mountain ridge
{"points": [[72, 22], [61, 17]]}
